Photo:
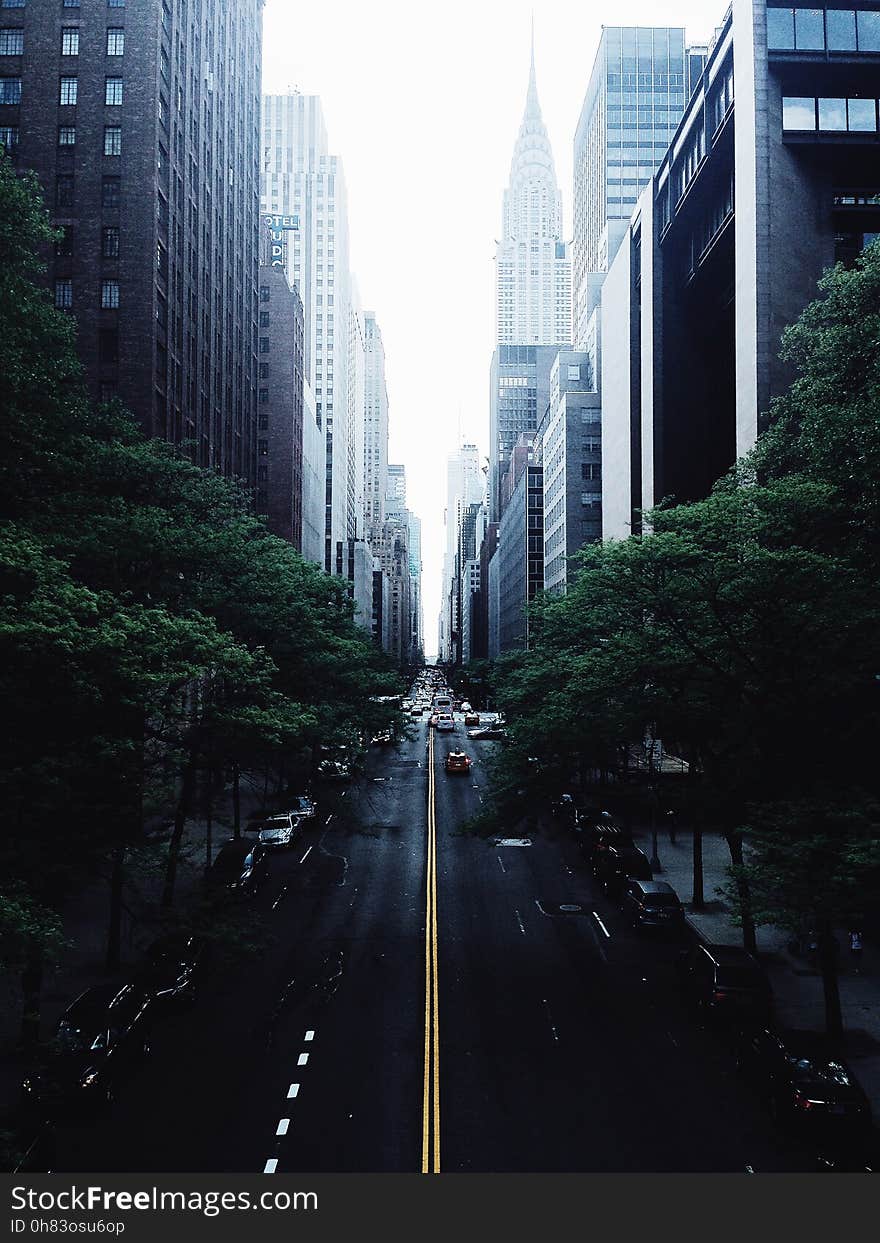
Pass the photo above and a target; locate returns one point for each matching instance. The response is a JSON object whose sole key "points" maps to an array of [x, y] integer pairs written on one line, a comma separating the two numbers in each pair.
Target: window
{"points": [[11, 42], [64, 192], [862, 115], [809, 30], [70, 4], [110, 243], [109, 294], [68, 91], [66, 135], [111, 189], [64, 295], [798, 113], [70, 40], [869, 32], [264, 394], [264, 319], [9, 136], [113, 92], [832, 114], [115, 4], [64, 244], [12, 4], [574, 371], [115, 41], [264, 293], [10, 90], [841, 28], [780, 29], [264, 345], [113, 140]]}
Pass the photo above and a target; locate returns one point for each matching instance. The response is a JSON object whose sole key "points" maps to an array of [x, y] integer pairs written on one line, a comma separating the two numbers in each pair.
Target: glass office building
{"points": [[632, 108]]}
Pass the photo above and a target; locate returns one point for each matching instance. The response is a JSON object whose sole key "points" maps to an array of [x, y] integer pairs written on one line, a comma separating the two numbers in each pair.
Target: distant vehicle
{"points": [[652, 904], [486, 733], [725, 982], [442, 703], [458, 762], [384, 738], [172, 968], [416, 711], [465, 706], [304, 807], [807, 1085], [239, 869], [471, 718], [614, 866], [278, 832], [445, 722], [598, 833], [99, 1039]]}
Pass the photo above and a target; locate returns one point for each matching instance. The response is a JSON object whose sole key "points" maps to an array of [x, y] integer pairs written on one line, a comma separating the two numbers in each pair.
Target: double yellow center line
{"points": [[431, 1103]]}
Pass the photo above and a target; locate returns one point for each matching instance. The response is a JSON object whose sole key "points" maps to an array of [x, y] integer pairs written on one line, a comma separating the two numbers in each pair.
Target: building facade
{"points": [[375, 425], [302, 182], [520, 557], [519, 389], [571, 456], [141, 124], [770, 178]]}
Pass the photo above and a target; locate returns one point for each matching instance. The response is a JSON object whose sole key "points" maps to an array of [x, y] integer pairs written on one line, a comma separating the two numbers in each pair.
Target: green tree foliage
{"points": [[745, 629], [151, 627]]}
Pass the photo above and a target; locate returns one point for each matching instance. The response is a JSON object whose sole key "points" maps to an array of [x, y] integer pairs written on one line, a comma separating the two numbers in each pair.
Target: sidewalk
{"points": [[797, 987]]}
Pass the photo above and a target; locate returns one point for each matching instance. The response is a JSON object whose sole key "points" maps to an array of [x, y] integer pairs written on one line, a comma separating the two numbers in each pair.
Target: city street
{"points": [[563, 1045]]}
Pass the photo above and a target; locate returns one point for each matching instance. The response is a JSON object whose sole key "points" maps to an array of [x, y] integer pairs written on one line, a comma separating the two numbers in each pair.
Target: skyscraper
{"points": [[532, 265], [375, 426], [140, 123], [519, 389], [302, 181], [634, 102]]}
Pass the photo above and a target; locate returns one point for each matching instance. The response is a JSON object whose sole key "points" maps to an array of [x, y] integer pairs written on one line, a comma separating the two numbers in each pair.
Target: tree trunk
{"points": [[181, 815], [699, 896], [828, 951], [750, 941], [209, 818], [236, 801], [114, 928], [31, 989]]}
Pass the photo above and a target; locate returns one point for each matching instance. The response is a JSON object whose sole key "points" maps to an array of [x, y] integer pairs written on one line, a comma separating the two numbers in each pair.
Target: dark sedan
{"points": [[172, 968], [239, 870], [807, 1085], [100, 1038]]}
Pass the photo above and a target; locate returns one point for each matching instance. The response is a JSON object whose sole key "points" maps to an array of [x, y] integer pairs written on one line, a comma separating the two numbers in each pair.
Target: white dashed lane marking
{"points": [[601, 925], [302, 1059], [293, 1091], [501, 864], [306, 855], [271, 1166], [310, 1035], [283, 1124], [520, 922]]}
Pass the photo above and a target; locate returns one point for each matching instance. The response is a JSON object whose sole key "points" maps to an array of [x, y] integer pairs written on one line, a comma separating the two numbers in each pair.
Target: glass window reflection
{"points": [[869, 32], [832, 114], [798, 113], [809, 30], [780, 28], [841, 25], [862, 115]]}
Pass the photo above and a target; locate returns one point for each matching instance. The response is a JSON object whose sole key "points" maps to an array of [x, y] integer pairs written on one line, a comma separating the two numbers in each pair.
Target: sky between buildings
{"points": [[423, 103]]}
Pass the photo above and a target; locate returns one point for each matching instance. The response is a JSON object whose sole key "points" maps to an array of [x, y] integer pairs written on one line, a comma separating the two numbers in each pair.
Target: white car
{"points": [[465, 706], [278, 831], [446, 722]]}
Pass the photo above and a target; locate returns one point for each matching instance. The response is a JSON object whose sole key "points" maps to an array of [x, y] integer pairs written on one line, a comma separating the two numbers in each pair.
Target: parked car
{"points": [[172, 968], [457, 762], [337, 769], [384, 738], [598, 833], [239, 870], [618, 864], [652, 904], [806, 1084], [726, 982], [487, 733], [304, 807], [278, 832], [99, 1040]]}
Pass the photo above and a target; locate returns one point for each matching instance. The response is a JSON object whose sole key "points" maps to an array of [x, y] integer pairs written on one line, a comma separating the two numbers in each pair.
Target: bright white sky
{"points": [[423, 103]]}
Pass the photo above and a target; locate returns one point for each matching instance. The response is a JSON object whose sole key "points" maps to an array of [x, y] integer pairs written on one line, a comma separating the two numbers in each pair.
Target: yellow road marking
{"points": [[431, 1086]]}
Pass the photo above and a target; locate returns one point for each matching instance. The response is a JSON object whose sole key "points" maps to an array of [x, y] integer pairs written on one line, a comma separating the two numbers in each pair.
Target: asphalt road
{"points": [[428, 999]]}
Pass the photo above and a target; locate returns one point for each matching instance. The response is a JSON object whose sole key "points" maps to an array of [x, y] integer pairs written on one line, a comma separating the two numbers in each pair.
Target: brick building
{"points": [[141, 121]]}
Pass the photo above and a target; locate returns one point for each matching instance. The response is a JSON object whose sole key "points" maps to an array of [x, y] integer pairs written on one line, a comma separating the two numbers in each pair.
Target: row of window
{"points": [[820, 30], [68, 91], [109, 242], [64, 295], [803, 113], [65, 4]]}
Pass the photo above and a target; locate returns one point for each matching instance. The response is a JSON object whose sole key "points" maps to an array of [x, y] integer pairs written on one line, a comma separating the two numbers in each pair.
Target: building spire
{"points": [[533, 107]]}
